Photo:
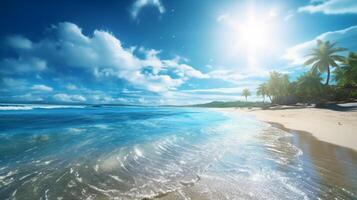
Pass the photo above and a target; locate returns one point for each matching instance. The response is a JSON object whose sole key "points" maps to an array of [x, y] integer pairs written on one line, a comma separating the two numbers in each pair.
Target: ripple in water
{"points": [[166, 153]]}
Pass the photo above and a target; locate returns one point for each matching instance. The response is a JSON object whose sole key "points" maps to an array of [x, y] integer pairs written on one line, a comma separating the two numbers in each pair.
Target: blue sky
{"points": [[159, 51]]}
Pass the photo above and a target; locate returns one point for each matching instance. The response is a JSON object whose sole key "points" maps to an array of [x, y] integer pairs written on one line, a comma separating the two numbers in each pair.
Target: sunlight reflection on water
{"points": [[170, 153]]}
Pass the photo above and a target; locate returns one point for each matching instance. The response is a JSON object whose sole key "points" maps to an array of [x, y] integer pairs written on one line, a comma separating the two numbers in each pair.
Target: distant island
{"points": [[228, 104]]}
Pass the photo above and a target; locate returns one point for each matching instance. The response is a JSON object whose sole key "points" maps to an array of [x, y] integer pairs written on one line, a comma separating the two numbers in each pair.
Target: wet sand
{"points": [[336, 127], [329, 163]]}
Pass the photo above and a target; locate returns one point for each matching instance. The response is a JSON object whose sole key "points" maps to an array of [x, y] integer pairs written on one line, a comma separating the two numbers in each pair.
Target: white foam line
{"points": [[105, 192], [116, 178], [14, 193], [31, 107], [23, 177], [46, 194], [61, 177]]}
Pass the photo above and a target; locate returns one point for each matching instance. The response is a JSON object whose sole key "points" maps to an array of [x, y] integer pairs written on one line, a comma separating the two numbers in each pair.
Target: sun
{"points": [[255, 37], [254, 33]]}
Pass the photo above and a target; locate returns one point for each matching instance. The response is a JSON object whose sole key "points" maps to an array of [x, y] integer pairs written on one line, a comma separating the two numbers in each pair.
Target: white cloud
{"points": [[14, 83], [140, 4], [103, 56], [69, 98], [236, 77], [19, 42], [196, 96], [182, 70], [126, 91], [10, 85], [344, 38], [42, 88], [71, 87], [90, 96], [226, 91], [29, 97], [22, 64], [331, 7]]}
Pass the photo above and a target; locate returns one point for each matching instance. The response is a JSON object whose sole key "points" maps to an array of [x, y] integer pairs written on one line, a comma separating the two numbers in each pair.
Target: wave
{"points": [[107, 155], [34, 106]]}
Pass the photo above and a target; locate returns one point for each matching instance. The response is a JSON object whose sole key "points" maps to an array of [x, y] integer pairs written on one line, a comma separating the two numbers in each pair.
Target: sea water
{"points": [[125, 152]]}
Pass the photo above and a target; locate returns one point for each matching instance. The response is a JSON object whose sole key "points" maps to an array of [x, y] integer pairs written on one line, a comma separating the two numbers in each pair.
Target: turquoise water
{"points": [[80, 152]]}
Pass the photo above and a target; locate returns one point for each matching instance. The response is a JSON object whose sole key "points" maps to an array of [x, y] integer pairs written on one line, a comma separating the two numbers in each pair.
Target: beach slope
{"points": [[336, 127]]}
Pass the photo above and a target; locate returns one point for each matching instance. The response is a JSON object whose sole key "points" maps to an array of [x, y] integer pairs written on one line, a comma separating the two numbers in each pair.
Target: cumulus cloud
{"points": [[140, 4], [19, 42], [22, 65], [42, 88], [100, 55], [331, 7], [69, 98], [236, 77], [67, 56], [344, 38]]}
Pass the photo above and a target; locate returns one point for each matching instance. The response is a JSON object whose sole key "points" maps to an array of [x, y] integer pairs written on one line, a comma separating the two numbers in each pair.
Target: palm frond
{"points": [[338, 58], [335, 50], [332, 45], [333, 63], [311, 60]]}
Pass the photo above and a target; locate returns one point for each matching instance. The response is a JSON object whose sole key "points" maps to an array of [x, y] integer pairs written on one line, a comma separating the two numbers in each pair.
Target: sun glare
{"points": [[254, 33], [250, 35]]}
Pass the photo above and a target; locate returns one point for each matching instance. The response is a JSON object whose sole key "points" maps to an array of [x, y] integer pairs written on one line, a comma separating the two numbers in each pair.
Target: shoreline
{"points": [[334, 127]]}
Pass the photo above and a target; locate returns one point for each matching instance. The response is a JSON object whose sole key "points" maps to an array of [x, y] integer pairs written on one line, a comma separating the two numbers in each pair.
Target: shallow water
{"points": [[169, 153]]}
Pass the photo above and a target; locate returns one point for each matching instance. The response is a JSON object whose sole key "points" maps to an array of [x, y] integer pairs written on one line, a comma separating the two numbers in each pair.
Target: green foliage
{"points": [[278, 87], [324, 56], [309, 88], [221, 104], [346, 75], [246, 93], [262, 90], [338, 93]]}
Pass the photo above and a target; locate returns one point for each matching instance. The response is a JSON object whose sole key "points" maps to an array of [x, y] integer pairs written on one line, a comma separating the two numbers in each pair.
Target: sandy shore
{"points": [[336, 127]]}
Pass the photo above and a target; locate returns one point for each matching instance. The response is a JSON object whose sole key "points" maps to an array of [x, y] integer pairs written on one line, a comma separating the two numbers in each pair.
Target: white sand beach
{"points": [[336, 127]]}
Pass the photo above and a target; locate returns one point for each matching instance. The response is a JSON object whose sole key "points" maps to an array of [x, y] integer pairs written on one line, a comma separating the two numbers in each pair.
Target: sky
{"points": [[160, 52]]}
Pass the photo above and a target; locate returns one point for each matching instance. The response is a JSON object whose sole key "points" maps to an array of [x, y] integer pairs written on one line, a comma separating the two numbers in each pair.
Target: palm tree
{"points": [[346, 75], [309, 87], [277, 86], [324, 56], [246, 93], [262, 91]]}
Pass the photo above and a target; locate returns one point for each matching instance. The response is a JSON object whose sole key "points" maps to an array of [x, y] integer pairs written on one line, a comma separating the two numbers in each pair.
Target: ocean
{"points": [[127, 152]]}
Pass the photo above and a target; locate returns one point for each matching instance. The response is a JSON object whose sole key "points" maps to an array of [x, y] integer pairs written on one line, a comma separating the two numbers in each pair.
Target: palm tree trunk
{"points": [[328, 75], [270, 98]]}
